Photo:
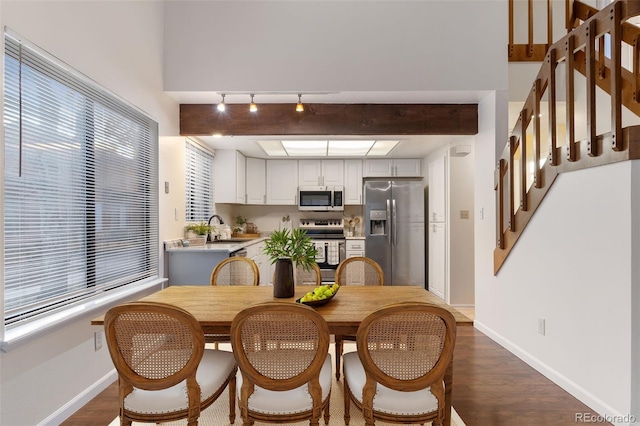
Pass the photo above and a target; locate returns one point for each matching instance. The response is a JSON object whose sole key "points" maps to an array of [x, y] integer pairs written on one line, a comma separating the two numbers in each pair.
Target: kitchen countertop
{"points": [[229, 247]]}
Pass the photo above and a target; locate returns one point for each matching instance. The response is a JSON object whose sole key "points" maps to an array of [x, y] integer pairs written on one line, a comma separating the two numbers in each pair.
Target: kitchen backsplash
{"points": [[268, 218]]}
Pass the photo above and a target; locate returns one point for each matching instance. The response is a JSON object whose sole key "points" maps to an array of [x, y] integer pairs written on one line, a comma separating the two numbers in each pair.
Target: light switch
{"points": [[464, 214], [166, 187]]}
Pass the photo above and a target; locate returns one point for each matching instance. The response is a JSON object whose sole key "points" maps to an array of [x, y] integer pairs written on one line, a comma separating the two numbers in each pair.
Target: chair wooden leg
{"points": [[232, 399], [327, 412], [347, 402], [338, 355]]}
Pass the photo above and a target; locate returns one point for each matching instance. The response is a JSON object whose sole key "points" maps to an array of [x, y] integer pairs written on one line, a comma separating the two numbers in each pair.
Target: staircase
{"points": [[575, 73]]}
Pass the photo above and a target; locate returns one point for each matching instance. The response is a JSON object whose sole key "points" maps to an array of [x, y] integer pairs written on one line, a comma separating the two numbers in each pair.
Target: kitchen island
{"points": [[193, 265]]}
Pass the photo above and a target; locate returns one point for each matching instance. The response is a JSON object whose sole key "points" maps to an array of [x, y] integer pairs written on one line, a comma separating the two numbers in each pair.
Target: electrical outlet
{"points": [[97, 340], [541, 326], [166, 187], [464, 214]]}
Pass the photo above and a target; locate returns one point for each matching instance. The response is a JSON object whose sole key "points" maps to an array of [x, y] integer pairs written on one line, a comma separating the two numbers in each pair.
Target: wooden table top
{"points": [[215, 306]]}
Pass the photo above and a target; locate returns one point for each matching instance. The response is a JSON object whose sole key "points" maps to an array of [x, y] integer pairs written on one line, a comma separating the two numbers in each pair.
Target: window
{"points": [[199, 191], [80, 187]]}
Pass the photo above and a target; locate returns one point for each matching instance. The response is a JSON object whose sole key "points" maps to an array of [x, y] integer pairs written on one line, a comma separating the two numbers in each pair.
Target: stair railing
{"points": [[530, 51], [524, 173]]}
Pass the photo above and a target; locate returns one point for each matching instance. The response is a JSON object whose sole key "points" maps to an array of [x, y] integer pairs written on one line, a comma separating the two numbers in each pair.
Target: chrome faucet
{"points": [[209, 223]]}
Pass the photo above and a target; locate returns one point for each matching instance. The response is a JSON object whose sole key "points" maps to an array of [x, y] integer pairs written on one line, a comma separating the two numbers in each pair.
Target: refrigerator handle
{"points": [[393, 223], [389, 222]]}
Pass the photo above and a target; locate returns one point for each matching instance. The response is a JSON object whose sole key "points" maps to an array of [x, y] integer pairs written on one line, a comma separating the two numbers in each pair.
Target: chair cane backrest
{"points": [[154, 346], [236, 271], [311, 276], [279, 346], [408, 347], [359, 270]]}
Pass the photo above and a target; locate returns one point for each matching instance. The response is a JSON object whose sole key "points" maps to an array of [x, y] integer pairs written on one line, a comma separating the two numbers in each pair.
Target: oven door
{"points": [[328, 261]]}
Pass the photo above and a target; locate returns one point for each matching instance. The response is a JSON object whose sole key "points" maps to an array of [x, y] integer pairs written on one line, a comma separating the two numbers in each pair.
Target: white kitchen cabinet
{"points": [[354, 248], [437, 259], [229, 176], [256, 180], [437, 189], [392, 167], [353, 181], [282, 182], [321, 172], [256, 253]]}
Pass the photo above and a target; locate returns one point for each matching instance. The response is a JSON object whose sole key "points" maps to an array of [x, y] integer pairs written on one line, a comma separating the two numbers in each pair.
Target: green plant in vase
{"points": [[286, 248]]}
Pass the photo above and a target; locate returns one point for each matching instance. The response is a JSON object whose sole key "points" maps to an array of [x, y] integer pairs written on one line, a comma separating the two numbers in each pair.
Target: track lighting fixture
{"points": [[252, 106], [221, 105], [299, 106]]}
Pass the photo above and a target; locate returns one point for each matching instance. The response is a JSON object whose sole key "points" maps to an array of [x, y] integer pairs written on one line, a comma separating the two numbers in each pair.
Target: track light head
{"points": [[252, 106], [299, 106], [221, 105]]}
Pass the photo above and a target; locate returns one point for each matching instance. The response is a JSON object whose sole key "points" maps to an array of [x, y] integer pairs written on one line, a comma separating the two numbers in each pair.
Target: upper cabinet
{"points": [[353, 181], [392, 167], [229, 176], [256, 181], [282, 182], [321, 172]]}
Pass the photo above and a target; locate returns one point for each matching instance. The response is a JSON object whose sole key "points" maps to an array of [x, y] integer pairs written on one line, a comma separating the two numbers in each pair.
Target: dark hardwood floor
{"points": [[492, 387]]}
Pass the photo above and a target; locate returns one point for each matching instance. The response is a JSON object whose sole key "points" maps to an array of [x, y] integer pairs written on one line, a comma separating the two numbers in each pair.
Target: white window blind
{"points": [[80, 187], [199, 190]]}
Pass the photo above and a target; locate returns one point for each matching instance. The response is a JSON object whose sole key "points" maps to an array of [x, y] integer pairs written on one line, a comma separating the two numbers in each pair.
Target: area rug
{"points": [[218, 413]]}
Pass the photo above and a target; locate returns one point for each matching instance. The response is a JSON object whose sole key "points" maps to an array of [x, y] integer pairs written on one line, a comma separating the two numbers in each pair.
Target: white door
{"points": [[437, 259], [437, 189]]}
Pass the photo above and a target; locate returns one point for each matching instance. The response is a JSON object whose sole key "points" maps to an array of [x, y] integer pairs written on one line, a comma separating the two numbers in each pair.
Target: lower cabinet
{"points": [[255, 253], [354, 248]]}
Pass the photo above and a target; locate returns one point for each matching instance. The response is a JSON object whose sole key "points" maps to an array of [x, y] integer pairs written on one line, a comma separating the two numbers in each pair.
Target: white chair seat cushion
{"points": [[288, 402], [212, 373], [386, 400]]}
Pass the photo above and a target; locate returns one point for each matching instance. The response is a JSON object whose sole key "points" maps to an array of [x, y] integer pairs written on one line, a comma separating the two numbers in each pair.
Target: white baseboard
{"points": [[580, 393], [64, 412]]}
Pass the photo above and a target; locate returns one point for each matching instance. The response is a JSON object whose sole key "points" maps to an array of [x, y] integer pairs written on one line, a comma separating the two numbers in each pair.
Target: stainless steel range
{"points": [[328, 236]]}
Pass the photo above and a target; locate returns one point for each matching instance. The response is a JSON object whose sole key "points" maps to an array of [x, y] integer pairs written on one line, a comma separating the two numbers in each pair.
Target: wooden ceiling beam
{"points": [[329, 119]]}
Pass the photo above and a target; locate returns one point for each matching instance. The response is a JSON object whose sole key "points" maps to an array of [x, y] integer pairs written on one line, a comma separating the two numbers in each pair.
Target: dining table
{"points": [[215, 307]]}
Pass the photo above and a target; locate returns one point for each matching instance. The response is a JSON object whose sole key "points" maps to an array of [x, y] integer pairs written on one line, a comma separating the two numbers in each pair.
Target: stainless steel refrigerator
{"points": [[394, 229]]}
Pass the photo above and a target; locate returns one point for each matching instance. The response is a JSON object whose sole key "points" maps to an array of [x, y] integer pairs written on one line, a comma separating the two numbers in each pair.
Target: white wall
{"points": [[334, 46], [461, 274], [119, 45], [572, 267]]}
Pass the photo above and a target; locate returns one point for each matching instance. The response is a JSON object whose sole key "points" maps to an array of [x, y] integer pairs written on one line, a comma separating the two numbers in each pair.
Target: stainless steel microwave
{"points": [[321, 198]]}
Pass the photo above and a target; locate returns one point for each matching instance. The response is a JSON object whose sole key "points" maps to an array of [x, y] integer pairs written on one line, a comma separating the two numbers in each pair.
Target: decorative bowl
{"points": [[321, 302]]}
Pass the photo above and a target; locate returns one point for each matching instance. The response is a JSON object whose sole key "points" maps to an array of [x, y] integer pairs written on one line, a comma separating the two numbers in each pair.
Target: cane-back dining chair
{"points": [[398, 373], [356, 270], [311, 276], [282, 353], [164, 372], [235, 270]]}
